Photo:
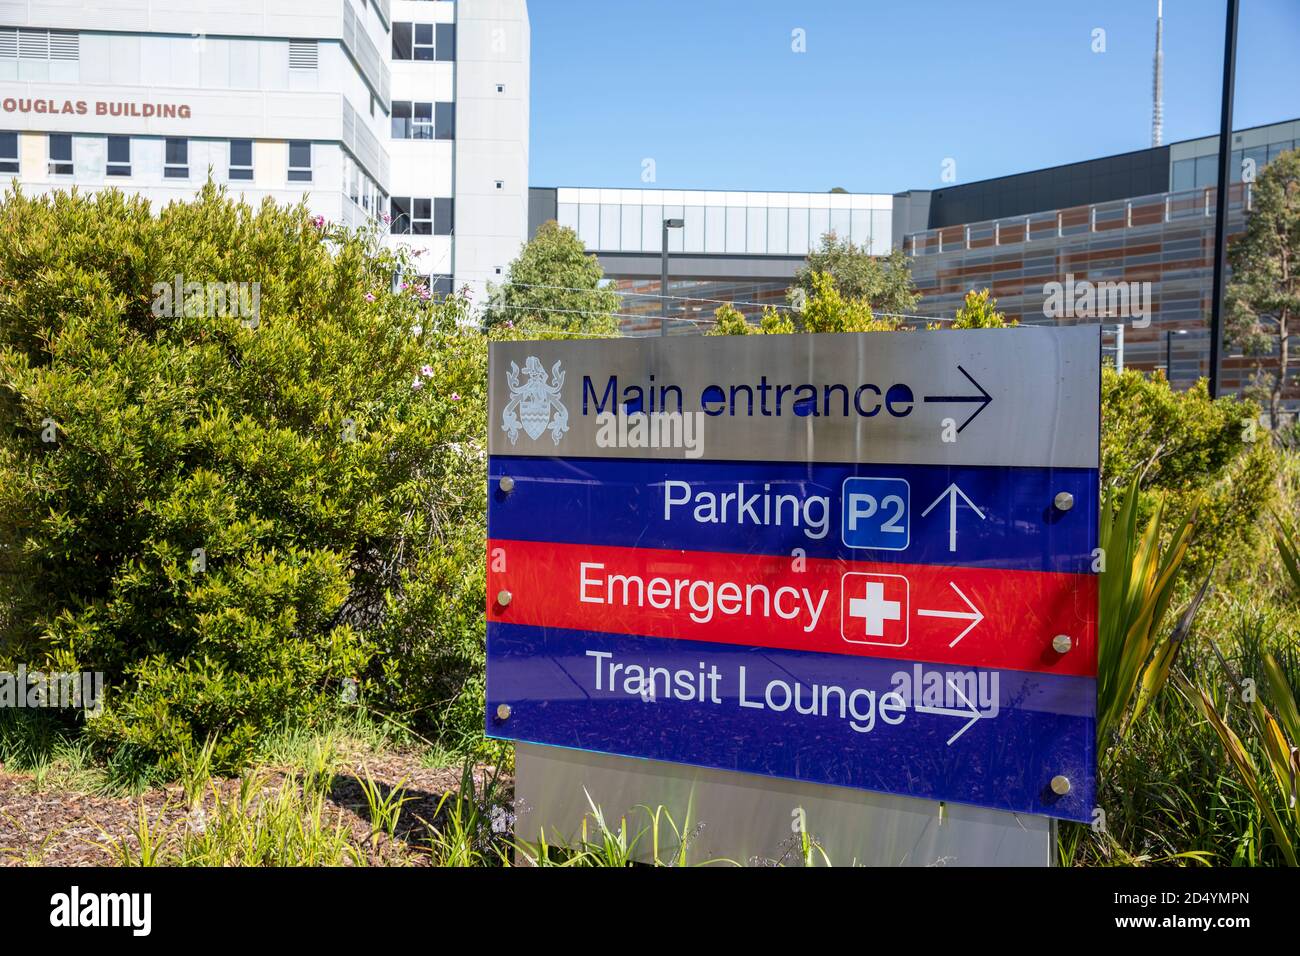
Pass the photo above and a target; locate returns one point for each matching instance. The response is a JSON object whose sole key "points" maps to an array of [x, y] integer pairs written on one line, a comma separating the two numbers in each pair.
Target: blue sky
{"points": [[886, 91]]}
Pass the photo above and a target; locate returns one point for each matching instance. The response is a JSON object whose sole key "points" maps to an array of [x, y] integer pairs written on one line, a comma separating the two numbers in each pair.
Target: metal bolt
{"points": [[503, 597], [503, 711], [1064, 501], [1060, 785], [507, 484], [1062, 643]]}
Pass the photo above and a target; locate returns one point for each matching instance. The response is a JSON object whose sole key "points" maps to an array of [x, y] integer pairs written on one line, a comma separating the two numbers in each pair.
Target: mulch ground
{"points": [[44, 826]]}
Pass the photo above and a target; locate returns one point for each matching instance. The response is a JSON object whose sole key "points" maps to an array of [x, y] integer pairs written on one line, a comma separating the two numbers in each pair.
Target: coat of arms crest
{"points": [[535, 405]]}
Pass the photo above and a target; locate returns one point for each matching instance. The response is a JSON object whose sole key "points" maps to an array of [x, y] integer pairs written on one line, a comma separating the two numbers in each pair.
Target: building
{"points": [[410, 114], [1141, 217]]}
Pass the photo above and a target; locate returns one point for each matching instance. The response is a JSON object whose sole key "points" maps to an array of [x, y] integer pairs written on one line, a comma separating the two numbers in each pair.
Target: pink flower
{"points": [[370, 297], [387, 218], [509, 324], [455, 396], [319, 222], [417, 384], [427, 371]]}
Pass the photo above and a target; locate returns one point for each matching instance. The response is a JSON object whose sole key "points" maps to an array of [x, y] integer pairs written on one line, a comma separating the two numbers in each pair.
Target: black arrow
{"points": [[983, 398]]}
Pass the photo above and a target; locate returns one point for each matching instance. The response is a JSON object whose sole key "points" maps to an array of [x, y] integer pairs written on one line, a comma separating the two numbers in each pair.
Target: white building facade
{"points": [[412, 114]]}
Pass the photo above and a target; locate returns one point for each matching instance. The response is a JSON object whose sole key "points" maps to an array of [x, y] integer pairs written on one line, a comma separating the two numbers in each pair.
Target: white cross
{"points": [[874, 609]]}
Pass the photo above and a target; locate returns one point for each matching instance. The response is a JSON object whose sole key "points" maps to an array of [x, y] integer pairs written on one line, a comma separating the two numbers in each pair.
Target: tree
{"points": [[884, 284], [554, 286], [1263, 299], [979, 310], [232, 513], [826, 310]]}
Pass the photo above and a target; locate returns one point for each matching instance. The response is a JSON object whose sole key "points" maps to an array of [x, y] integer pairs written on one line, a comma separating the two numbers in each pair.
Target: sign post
{"points": [[813, 566]]}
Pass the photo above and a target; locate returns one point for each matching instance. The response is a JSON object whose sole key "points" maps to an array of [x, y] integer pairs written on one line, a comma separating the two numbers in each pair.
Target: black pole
{"points": [[1169, 354], [1221, 200]]}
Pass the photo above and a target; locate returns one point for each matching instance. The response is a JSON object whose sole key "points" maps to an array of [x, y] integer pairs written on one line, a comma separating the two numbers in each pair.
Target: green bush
{"points": [[231, 514], [1195, 452]]}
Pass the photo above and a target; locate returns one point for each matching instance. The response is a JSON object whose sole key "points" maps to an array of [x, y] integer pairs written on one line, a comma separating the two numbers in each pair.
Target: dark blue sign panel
{"points": [[920, 514], [993, 738]]}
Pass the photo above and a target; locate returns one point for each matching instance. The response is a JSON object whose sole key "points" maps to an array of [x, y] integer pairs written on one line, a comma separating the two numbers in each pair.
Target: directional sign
{"points": [[833, 558]]}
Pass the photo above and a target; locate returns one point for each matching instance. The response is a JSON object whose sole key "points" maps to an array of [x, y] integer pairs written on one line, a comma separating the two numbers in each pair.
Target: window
{"points": [[412, 120], [402, 41], [176, 163], [415, 41], [501, 87], [40, 44], [119, 156], [299, 161], [412, 216], [303, 54], [424, 41], [446, 42], [60, 154], [8, 152], [444, 121], [241, 159], [442, 217]]}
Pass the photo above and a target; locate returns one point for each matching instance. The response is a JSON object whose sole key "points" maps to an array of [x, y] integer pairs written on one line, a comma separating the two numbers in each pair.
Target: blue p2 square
{"points": [[876, 513]]}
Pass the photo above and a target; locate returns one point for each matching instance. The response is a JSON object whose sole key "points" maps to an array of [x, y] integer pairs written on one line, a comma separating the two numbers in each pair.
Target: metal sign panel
{"points": [[878, 398], [889, 586]]}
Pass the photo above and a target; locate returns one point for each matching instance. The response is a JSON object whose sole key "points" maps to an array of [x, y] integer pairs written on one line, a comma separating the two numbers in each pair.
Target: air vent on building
{"points": [[8, 43], [302, 54], [34, 44], [65, 45]]}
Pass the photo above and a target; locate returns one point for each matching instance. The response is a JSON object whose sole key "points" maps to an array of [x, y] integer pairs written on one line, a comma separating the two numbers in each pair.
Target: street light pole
{"points": [[663, 276], [1221, 203]]}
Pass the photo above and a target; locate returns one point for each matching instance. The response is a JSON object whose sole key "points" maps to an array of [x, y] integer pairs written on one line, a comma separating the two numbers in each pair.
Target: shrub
{"points": [[1197, 453], [224, 513]]}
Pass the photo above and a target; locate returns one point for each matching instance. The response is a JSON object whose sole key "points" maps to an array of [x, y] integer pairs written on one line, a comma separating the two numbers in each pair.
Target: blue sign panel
{"points": [[964, 516], [989, 737]]}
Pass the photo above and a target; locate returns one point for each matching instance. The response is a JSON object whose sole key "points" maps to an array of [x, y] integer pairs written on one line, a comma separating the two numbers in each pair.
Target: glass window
{"points": [[299, 161], [400, 212], [589, 224], [424, 41], [609, 226], [756, 232], [444, 121], [8, 152], [799, 223], [446, 42], [60, 154], [176, 163], [735, 229], [693, 234], [401, 119], [1207, 170], [421, 121], [119, 156], [1184, 175], [241, 159], [421, 217], [630, 240], [402, 49], [1260, 155], [778, 231], [566, 214], [715, 229], [882, 231], [841, 223], [819, 223], [652, 224], [443, 216]]}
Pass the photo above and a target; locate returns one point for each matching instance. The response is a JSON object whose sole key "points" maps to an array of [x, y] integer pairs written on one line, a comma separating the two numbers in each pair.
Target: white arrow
{"points": [[972, 711], [973, 615], [951, 493]]}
